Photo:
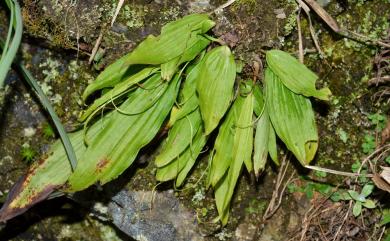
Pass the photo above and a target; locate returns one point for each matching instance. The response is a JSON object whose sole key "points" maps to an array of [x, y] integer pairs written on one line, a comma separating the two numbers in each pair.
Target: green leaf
{"points": [[178, 39], [367, 190], [243, 137], [168, 69], [242, 151], [356, 196], [272, 147], [261, 142], [292, 118], [175, 39], [11, 46], [296, 76], [118, 91], [259, 100], [179, 138], [385, 218], [223, 146], [185, 159], [120, 139], [369, 203], [215, 85], [357, 209], [188, 99]]}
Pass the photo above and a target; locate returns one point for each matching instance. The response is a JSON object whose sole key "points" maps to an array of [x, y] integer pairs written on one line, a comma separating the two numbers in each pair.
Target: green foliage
{"points": [[378, 120], [369, 144], [28, 154], [48, 131], [177, 69], [360, 199]]}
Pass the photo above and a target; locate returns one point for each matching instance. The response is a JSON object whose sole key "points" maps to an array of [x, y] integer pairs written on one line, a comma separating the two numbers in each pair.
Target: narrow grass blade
{"points": [[46, 103], [9, 54]]}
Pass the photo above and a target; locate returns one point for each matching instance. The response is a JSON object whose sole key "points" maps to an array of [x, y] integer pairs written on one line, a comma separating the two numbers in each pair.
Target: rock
{"points": [[153, 216]]}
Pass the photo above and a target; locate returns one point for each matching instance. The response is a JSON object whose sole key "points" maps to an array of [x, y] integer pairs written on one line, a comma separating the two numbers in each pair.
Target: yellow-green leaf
{"points": [[118, 91], [179, 138], [292, 117], [261, 142], [178, 39], [122, 136], [215, 85], [184, 162], [295, 75], [223, 146]]}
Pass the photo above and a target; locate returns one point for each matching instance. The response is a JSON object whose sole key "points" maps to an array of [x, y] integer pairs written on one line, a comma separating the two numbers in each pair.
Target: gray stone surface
{"points": [[158, 216]]}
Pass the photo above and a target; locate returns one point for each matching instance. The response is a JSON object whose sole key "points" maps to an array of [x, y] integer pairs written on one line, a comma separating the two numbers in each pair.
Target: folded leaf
{"points": [[118, 91], [292, 118], [122, 136], [295, 75], [179, 138], [169, 68], [223, 146], [215, 85], [261, 142], [177, 38], [183, 162], [258, 100], [272, 147], [191, 155], [187, 97]]}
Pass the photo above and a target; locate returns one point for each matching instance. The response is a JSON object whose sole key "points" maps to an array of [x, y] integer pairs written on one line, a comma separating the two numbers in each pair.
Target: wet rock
{"points": [[145, 215]]}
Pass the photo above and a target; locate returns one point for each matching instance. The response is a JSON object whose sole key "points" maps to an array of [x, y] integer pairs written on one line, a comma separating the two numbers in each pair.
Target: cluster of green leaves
{"points": [[143, 87], [360, 199]]}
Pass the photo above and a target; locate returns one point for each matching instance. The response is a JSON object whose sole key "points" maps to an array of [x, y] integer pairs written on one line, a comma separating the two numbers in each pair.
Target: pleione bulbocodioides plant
{"points": [[179, 80]]}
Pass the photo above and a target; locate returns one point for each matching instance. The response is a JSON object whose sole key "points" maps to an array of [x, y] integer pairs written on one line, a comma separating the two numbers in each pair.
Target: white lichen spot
{"points": [[29, 131], [199, 196], [56, 99], [100, 208], [141, 237], [46, 88], [74, 68], [223, 235]]}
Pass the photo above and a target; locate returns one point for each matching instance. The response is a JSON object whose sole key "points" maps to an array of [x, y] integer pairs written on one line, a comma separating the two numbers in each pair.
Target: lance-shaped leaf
{"points": [[272, 147], [223, 147], [295, 75], [242, 151], [179, 138], [122, 136], [191, 155], [215, 85], [44, 176], [292, 118], [169, 68], [178, 39], [118, 91], [258, 100], [261, 142], [184, 162], [187, 97]]}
